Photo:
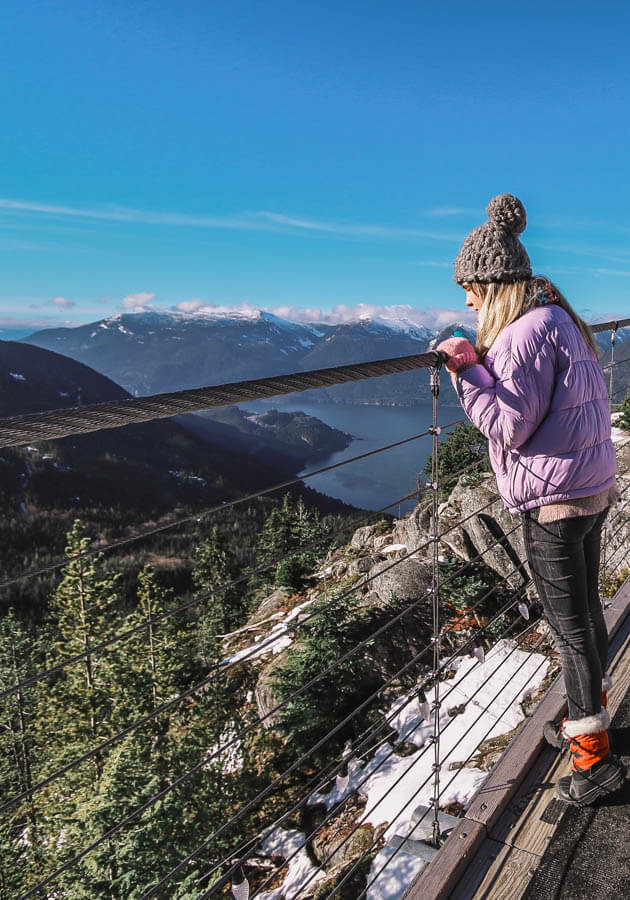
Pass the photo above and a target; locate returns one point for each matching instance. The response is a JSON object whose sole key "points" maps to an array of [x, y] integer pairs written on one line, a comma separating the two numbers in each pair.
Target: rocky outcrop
{"points": [[475, 524]]}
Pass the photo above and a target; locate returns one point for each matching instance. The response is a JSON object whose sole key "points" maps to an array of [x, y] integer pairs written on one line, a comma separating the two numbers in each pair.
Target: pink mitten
{"points": [[460, 352]]}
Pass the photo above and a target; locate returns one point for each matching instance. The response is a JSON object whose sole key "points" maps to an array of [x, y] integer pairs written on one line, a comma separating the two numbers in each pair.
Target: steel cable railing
{"points": [[424, 749], [165, 707], [370, 774], [412, 798], [205, 761], [156, 619], [509, 605]]}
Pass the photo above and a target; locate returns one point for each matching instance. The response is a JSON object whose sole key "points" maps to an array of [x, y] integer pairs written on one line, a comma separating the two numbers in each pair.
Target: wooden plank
{"points": [[497, 873], [521, 823]]}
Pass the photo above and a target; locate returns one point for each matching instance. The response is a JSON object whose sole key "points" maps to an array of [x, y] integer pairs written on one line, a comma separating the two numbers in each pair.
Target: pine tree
{"points": [[219, 611], [290, 536], [21, 850], [157, 666], [75, 711], [465, 446]]}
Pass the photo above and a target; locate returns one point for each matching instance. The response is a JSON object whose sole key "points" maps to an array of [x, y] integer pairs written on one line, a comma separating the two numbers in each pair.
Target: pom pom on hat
{"points": [[507, 213]]}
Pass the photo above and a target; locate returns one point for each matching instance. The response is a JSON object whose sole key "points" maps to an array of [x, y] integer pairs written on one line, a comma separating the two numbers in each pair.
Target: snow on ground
{"points": [[619, 436], [276, 642], [284, 842], [507, 686], [392, 783]]}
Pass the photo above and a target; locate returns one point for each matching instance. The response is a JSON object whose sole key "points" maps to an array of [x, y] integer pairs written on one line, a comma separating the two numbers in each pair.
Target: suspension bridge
{"points": [[506, 836]]}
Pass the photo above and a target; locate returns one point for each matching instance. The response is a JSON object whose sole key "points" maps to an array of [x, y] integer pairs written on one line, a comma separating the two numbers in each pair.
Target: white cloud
{"points": [[249, 221], [190, 306], [435, 317], [62, 301], [453, 211], [138, 302]]}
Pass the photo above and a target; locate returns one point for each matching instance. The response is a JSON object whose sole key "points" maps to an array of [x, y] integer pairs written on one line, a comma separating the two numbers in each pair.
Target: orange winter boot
{"points": [[595, 771]]}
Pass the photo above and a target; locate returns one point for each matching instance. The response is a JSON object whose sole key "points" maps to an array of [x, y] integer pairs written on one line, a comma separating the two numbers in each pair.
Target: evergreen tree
{"points": [[224, 610], [21, 849], [465, 446], [158, 665], [290, 535], [624, 420], [75, 711]]}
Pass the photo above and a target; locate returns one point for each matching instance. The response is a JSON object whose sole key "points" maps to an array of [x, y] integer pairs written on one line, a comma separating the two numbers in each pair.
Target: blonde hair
{"points": [[505, 303]]}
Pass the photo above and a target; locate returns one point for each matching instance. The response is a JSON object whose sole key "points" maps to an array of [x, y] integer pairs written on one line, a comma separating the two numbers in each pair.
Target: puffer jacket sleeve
{"points": [[508, 408]]}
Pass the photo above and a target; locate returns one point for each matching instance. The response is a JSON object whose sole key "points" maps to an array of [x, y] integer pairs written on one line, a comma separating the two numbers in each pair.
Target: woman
{"points": [[534, 388]]}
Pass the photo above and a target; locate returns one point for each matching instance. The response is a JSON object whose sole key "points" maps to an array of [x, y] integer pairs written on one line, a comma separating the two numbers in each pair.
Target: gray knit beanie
{"points": [[493, 252]]}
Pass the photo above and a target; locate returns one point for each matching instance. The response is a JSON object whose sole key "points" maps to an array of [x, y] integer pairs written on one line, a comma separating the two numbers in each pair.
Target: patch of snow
{"points": [[295, 612], [124, 330], [17, 376], [285, 842], [396, 876], [619, 435], [393, 548], [490, 695], [275, 642], [63, 393]]}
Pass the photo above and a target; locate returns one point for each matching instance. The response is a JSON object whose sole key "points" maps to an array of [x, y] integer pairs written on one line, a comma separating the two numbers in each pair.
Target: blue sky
{"points": [[303, 156]]}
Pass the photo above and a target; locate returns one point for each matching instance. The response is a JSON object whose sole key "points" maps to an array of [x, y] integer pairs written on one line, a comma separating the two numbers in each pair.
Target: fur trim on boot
{"points": [[573, 728]]}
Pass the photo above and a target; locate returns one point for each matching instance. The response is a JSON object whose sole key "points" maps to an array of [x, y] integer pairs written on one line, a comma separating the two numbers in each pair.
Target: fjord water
{"points": [[381, 479]]}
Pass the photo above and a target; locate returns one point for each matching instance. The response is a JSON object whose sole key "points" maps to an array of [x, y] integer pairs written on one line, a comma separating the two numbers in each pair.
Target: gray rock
{"points": [[264, 695], [383, 541], [413, 530], [271, 604], [361, 565], [408, 579], [326, 842], [477, 525], [363, 538]]}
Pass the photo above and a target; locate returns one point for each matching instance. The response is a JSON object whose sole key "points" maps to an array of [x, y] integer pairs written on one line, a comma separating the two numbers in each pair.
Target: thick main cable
{"points": [[59, 423]]}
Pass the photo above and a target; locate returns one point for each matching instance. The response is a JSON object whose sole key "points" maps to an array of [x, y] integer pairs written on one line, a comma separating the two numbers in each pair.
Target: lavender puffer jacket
{"points": [[541, 399]]}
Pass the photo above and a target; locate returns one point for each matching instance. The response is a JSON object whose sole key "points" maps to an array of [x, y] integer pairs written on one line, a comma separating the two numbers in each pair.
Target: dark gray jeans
{"points": [[564, 561]]}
